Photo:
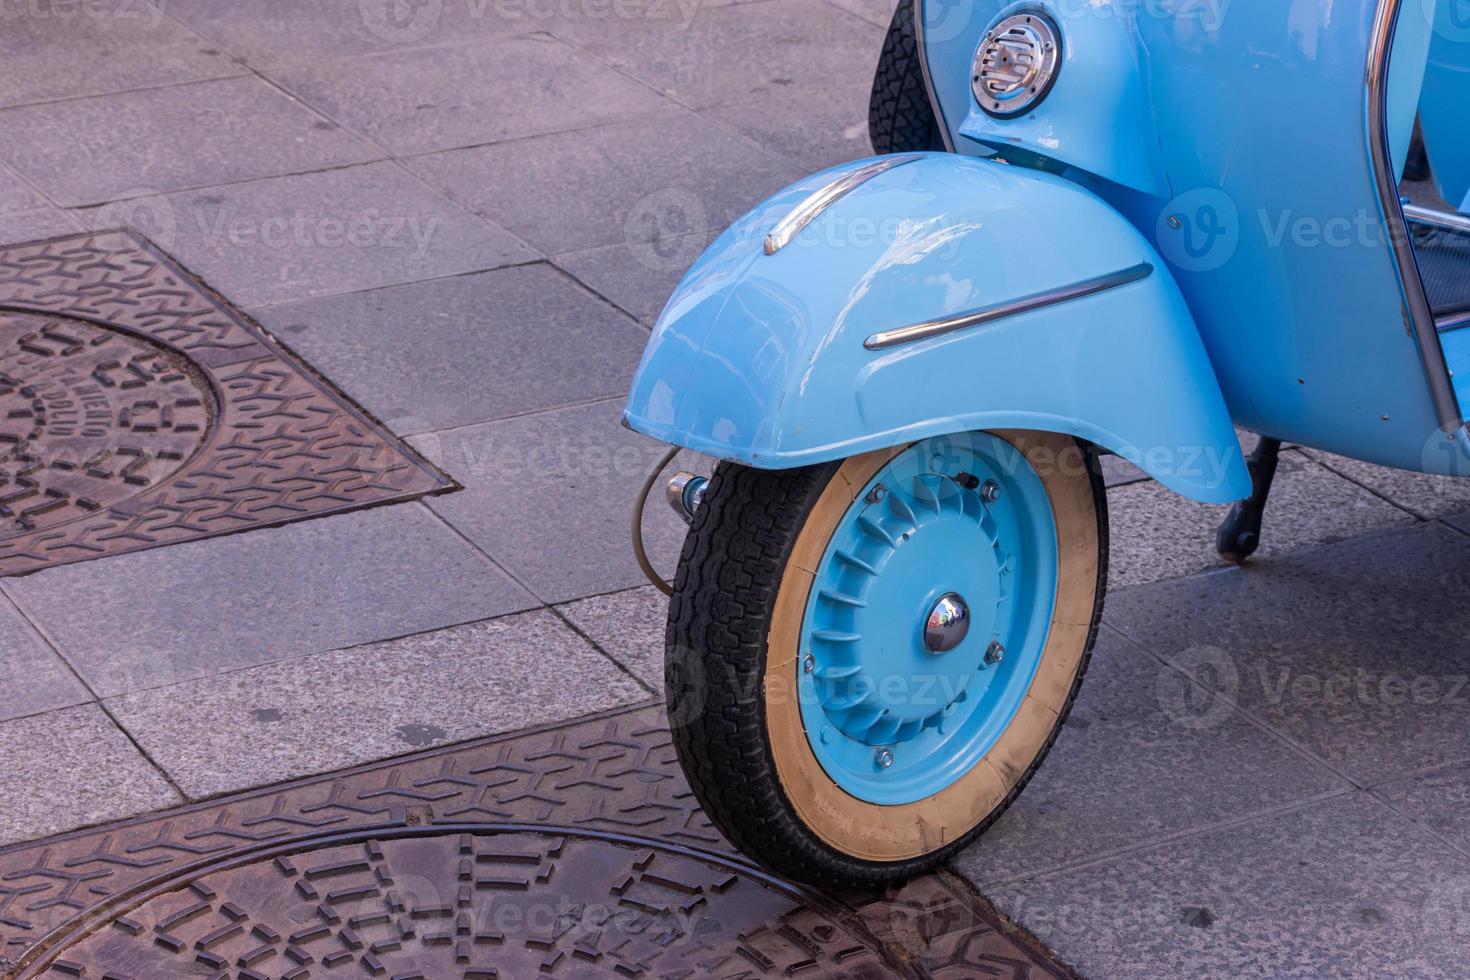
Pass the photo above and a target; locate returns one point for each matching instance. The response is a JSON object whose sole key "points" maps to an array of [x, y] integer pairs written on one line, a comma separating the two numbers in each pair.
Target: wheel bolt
{"points": [[990, 491], [995, 653], [884, 758], [809, 663], [877, 494]]}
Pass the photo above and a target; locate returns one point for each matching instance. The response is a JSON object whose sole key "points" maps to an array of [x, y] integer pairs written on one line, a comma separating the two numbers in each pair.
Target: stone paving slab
{"points": [[156, 618], [879, 12], [33, 678], [814, 130], [416, 101], [70, 768], [281, 239], [1437, 801], [44, 45], [738, 53], [1343, 888], [647, 180], [629, 625], [16, 194], [1353, 651], [38, 223], [407, 866], [1158, 535], [1146, 754], [266, 33], [1424, 495], [333, 710], [466, 349], [548, 496], [639, 277], [89, 151]]}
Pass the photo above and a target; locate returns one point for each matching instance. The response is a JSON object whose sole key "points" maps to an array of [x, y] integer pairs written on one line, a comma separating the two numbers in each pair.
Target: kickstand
{"points": [[1240, 534]]}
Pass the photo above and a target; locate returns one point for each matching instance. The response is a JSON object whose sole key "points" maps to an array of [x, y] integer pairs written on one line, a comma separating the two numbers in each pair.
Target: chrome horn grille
{"points": [[1017, 64]]}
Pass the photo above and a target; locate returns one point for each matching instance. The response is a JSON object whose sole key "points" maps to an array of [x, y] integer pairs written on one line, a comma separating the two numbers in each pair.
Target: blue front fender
{"points": [[760, 358]]}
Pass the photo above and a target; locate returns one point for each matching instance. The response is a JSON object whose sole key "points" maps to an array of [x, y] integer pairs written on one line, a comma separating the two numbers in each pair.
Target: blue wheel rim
{"points": [[891, 721]]}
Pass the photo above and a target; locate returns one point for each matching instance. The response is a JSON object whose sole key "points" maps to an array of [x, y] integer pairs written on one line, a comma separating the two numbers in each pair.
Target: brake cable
{"points": [[639, 552]]}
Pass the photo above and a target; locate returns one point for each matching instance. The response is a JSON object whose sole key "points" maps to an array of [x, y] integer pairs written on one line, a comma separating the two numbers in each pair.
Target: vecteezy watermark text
{"points": [[151, 14], [367, 229], [411, 21]]}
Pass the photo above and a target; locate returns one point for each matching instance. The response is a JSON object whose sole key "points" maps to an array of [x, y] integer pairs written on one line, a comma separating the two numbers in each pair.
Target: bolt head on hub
{"points": [[995, 653], [990, 491], [884, 758], [947, 624]]}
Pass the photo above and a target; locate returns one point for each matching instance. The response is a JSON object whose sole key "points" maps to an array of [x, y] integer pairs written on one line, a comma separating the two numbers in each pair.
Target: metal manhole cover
{"points": [[89, 418], [137, 409], [477, 904], [431, 865]]}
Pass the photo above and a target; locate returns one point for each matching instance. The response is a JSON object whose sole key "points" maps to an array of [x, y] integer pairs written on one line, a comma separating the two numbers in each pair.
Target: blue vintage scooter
{"points": [[1144, 223]]}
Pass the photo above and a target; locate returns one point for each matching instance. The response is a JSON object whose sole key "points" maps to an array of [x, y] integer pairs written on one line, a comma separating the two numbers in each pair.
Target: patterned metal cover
{"points": [[139, 409], [575, 851]]}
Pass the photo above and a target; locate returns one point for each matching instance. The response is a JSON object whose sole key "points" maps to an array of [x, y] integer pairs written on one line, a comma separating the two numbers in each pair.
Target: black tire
{"points": [[900, 116], [731, 568]]}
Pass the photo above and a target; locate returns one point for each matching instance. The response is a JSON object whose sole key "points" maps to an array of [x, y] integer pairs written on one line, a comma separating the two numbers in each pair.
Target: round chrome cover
{"points": [[1017, 63], [947, 624]]}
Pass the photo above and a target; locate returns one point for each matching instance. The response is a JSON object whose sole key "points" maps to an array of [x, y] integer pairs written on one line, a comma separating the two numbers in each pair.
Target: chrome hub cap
{"points": [[947, 625]]}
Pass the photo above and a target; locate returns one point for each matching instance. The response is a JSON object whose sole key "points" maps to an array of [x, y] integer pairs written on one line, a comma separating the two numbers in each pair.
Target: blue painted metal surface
{"points": [[873, 683], [1457, 353], [1257, 108], [1406, 77], [1442, 109], [760, 359], [1098, 117]]}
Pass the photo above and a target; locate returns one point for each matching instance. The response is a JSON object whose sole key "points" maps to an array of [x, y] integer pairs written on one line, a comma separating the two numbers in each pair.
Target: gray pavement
{"points": [[468, 220]]}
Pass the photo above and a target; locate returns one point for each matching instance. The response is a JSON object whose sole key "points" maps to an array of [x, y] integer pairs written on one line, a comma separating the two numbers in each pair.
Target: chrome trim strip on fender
{"points": [[808, 210], [1419, 317], [944, 132], [1435, 218], [1015, 307]]}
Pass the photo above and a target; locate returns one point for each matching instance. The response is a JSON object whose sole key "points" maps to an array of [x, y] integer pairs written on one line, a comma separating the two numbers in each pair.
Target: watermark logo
{"points": [[1447, 453], [1208, 13], [950, 20], [1198, 692], [1450, 18], [401, 21], [142, 209], [661, 229], [954, 20], [1199, 230]]}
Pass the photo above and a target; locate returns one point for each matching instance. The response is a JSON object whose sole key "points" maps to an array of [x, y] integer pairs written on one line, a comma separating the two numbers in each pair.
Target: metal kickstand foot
{"points": [[1240, 533]]}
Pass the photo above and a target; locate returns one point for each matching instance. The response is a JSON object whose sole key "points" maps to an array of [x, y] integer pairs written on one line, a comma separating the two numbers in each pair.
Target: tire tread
{"points": [[729, 574], [900, 116]]}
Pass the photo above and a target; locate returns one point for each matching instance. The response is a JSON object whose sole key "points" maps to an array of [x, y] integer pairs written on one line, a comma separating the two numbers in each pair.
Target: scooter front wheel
{"points": [[867, 660]]}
